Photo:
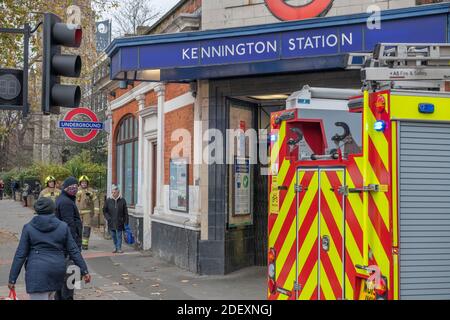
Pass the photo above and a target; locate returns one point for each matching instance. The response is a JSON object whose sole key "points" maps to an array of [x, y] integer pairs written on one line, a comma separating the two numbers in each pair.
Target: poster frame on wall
{"points": [[181, 162], [249, 173]]}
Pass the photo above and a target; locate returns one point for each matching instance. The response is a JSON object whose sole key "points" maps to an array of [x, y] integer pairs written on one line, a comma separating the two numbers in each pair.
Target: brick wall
{"points": [[180, 118], [151, 99], [189, 6], [217, 14], [174, 90]]}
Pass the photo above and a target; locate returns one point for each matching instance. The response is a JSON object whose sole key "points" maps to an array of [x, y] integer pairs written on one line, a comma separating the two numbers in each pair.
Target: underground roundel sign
{"points": [[285, 11], [70, 127]]}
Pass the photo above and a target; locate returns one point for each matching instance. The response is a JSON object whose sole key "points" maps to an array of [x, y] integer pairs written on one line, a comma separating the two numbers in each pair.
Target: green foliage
{"points": [[79, 165], [82, 164]]}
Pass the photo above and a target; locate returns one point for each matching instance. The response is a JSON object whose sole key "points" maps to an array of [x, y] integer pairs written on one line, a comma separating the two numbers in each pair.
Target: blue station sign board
{"points": [[282, 41]]}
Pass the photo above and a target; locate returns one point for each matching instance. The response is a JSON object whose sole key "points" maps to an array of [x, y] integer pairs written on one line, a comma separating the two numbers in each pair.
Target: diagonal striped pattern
{"points": [[359, 226], [332, 226], [379, 205]]}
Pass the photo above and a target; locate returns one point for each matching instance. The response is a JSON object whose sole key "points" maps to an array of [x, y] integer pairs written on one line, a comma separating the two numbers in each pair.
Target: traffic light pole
{"points": [[26, 46]]}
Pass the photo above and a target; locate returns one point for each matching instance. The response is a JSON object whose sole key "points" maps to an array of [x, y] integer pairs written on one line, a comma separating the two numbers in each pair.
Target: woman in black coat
{"points": [[43, 244], [115, 211]]}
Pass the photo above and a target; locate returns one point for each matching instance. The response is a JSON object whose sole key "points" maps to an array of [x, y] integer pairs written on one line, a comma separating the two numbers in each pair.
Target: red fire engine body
{"points": [[357, 197]]}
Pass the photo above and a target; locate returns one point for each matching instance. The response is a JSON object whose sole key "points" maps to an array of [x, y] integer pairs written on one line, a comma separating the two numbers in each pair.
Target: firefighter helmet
{"points": [[83, 178], [49, 179]]}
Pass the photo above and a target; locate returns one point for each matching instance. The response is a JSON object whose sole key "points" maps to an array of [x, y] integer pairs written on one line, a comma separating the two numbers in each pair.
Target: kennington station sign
{"points": [[285, 44]]}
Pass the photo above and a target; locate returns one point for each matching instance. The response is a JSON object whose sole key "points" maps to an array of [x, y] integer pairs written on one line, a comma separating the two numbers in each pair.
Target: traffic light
{"points": [[11, 89], [56, 35]]}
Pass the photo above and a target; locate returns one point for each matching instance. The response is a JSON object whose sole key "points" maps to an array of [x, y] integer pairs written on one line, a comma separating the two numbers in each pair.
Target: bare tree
{"points": [[134, 13]]}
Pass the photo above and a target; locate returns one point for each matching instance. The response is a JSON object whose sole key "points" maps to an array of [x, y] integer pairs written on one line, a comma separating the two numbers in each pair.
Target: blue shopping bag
{"points": [[129, 238]]}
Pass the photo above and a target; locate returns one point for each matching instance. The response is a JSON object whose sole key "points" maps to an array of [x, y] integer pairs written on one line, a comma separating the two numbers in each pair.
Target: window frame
{"points": [[127, 133]]}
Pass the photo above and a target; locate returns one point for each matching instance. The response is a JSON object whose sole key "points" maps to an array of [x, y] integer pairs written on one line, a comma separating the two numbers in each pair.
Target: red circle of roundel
{"points": [[284, 11], [71, 134]]}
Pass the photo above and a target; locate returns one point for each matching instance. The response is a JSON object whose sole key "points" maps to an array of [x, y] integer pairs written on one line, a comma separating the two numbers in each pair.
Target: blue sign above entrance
{"points": [[332, 36]]}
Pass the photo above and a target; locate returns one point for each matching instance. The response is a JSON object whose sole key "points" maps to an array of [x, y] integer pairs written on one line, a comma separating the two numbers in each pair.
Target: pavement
{"points": [[133, 275]]}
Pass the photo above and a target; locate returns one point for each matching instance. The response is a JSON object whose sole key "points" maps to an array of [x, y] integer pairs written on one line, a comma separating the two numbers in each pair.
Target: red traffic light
{"points": [[68, 35], [56, 65]]}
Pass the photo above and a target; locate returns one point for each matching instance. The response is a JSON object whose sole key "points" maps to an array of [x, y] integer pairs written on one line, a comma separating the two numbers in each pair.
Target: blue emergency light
{"points": [[273, 138], [426, 108], [380, 126]]}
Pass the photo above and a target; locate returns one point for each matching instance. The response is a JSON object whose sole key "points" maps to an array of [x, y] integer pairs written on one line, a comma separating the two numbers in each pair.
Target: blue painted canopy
{"points": [[313, 44]]}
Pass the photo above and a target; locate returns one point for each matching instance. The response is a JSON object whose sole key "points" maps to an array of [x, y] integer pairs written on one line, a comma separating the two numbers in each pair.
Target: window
{"points": [[127, 158]]}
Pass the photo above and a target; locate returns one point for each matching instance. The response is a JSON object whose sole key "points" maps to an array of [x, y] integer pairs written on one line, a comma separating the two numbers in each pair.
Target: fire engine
{"points": [[359, 185]]}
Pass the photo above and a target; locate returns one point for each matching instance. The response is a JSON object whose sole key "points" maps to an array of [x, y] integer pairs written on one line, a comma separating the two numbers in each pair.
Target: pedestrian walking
{"points": [[14, 188], [2, 188], [43, 244], [116, 214], [67, 211], [25, 194]]}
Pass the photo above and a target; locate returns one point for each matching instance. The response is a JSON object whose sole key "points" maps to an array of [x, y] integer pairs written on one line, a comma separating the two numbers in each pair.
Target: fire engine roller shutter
{"points": [[424, 211]]}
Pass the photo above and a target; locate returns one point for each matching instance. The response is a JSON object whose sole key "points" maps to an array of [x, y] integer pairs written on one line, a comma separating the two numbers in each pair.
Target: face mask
{"points": [[72, 190]]}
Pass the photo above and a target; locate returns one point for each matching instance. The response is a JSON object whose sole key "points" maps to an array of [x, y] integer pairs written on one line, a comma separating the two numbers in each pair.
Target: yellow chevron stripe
{"points": [[333, 254], [291, 237], [305, 250], [304, 207], [290, 196], [355, 201], [325, 285], [277, 144], [280, 218], [352, 247], [357, 206], [378, 250], [310, 285], [380, 198], [333, 203], [308, 198], [349, 293], [283, 171], [379, 140]]}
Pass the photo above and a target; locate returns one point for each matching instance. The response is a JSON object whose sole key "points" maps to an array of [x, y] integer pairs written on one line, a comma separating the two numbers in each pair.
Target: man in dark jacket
{"points": [[116, 214], [42, 247], [67, 211]]}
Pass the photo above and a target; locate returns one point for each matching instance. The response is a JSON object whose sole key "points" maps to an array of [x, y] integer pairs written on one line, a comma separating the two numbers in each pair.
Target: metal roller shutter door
{"points": [[424, 211]]}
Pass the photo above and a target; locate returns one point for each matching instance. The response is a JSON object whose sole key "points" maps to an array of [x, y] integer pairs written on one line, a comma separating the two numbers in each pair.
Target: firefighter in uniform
{"points": [[86, 203], [50, 191]]}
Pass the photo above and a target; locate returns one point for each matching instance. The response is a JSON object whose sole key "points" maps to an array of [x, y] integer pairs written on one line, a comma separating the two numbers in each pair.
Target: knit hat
{"points": [[69, 181], [44, 206]]}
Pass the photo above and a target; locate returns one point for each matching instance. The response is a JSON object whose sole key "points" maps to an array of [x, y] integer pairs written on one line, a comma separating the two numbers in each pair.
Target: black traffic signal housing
{"points": [[55, 64], [11, 88]]}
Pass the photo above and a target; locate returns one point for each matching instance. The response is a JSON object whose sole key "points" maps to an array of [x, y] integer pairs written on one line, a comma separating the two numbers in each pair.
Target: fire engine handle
{"points": [[366, 268], [299, 133], [337, 138], [370, 187], [285, 116], [333, 156]]}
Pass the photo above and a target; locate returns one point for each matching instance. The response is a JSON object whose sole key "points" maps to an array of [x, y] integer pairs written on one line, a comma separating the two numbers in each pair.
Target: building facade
{"points": [[193, 203]]}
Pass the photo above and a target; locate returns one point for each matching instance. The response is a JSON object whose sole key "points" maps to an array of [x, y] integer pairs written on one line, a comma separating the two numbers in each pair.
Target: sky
{"points": [[163, 5]]}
